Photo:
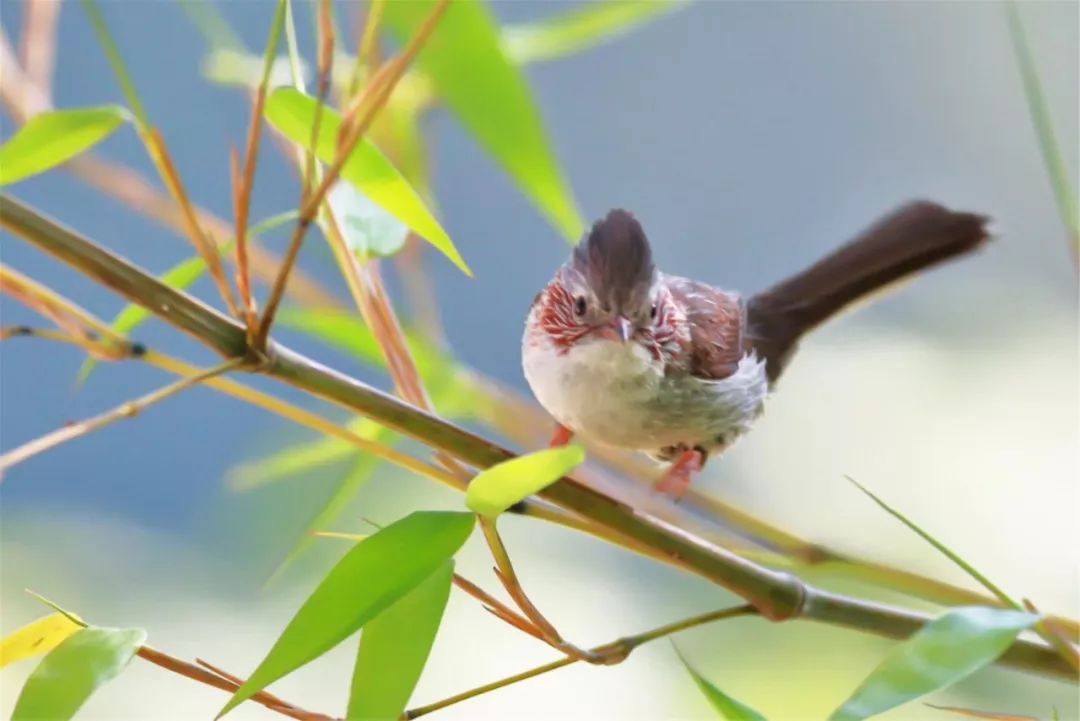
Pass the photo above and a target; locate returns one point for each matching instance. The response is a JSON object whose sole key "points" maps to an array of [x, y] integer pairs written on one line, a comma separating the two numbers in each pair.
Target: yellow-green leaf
{"points": [[293, 113], [36, 637], [501, 486], [948, 649], [368, 579], [53, 138], [488, 92], [394, 649], [305, 456], [726, 706], [72, 671], [357, 476], [581, 28]]}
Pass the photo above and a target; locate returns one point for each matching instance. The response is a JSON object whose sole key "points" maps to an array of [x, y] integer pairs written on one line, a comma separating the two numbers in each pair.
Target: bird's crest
{"points": [[616, 261]]}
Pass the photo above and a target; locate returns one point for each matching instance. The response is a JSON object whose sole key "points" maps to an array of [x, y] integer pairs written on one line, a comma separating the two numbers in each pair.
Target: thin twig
{"points": [[504, 570], [44, 300], [37, 47], [126, 410], [171, 663], [365, 51], [620, 650], [353, 127]]}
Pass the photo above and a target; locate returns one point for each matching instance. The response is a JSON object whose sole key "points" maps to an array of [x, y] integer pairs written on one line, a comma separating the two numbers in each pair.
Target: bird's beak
{"points": [[623, 328]]}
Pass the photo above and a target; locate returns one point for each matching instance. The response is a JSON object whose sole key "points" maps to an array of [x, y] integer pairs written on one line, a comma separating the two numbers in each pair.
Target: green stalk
{"points": [[775, 595]]}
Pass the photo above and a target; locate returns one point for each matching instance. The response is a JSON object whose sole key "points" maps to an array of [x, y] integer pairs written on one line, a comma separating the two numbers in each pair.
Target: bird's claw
{"points": [[676, 481]]}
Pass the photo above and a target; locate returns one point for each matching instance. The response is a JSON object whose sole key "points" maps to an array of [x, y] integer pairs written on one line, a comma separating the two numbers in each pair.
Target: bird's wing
{"points": [[716, 319]]}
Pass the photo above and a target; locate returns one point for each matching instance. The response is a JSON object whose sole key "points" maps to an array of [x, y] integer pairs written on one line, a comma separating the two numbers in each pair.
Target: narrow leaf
{"points": [[53, 138], [293, 114], [493, 491], [948, 649], [369, 578], [471, 72], [304, 457], [941, 547], [36, 637], [726, 706], [72, 671], [975, 713], [394, 649], [236, 68], [580, 29], [211, 24], [1044, 127], [116, 60], [356, 478]]}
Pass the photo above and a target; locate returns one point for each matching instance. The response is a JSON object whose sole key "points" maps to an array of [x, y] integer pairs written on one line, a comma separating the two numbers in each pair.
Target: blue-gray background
{"points": [[749, 138]]}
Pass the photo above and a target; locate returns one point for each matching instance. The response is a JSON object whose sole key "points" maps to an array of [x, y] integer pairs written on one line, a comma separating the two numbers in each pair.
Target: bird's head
{"points": [[608, 289]]}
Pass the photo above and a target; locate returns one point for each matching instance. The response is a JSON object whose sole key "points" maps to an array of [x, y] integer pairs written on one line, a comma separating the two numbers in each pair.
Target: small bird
{"points": [[622, 354]]}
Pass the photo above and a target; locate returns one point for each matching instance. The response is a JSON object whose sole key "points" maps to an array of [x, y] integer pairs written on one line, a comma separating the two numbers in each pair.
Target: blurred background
{"points": [[749, 139]]}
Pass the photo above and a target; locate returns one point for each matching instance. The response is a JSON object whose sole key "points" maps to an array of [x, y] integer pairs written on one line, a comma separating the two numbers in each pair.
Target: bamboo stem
{"points": [[777, 596]]}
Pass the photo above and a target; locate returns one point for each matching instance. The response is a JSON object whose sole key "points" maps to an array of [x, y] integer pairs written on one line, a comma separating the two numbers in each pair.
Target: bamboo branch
{"points": [[618, 651], [218, 680], [23, 100], [777, 596]]}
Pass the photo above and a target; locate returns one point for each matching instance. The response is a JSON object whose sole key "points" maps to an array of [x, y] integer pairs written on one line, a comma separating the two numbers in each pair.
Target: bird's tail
{"points": [[916, 236]]}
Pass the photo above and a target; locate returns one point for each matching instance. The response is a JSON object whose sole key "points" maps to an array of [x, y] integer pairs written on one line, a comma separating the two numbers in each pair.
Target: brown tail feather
{"points": [[916, 236]]}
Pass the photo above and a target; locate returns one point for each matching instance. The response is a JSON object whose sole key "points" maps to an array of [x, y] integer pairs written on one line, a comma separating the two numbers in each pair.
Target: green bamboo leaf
{"points": [[290, 461], [948, 649], [293, 114], [369, 231], [72, 671], [55, 137], [1044, 126], [357, 477], [471, 72], [453, 391], [211, 24], [116, 61], [347, 331], [582, 28], [493, 491], [975, 713], [394, 649], [236, 68], [941, 547], [180, 276], [726, 706], [369, 578]]}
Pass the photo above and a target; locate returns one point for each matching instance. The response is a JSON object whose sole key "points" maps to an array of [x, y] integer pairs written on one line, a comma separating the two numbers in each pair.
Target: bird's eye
{"points": [[579, 306], [652, 311]]}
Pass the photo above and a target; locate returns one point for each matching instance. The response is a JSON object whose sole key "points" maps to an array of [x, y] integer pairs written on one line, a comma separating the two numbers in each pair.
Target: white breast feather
{"points": [[617, 394]]}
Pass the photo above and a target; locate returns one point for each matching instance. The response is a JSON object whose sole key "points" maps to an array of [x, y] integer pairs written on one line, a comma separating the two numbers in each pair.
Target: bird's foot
{"points": [[561, 436], [676, 482]]}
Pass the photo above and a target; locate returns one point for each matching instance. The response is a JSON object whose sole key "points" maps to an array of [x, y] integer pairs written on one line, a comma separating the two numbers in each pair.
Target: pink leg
{"points": [[676, 481], [561, 436]]}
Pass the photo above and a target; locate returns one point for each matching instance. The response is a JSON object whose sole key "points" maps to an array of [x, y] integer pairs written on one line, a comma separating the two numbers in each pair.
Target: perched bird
{"points": [[620, 353]]}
